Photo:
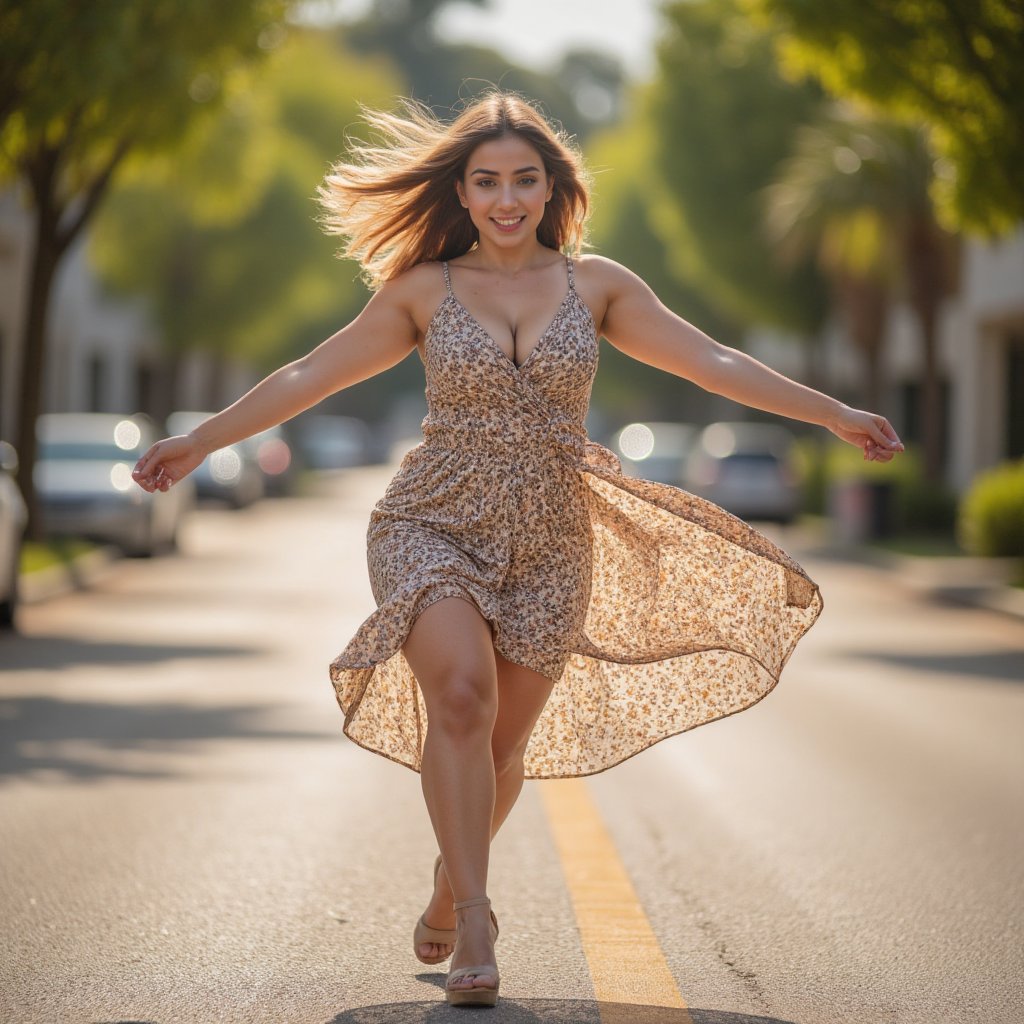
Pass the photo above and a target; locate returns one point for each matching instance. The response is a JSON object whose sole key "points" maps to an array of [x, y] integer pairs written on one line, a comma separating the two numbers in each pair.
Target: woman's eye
{"points": [[527, 181]]}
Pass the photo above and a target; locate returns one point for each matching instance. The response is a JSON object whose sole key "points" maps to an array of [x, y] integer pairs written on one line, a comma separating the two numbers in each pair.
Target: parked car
{"points": [[656, 451], [230, 474], [13, 516], [333, 442], [748, 469], [83, 478]]}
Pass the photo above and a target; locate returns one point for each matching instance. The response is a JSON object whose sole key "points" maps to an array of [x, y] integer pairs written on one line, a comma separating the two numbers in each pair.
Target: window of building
{"points": [[1015, 394]]}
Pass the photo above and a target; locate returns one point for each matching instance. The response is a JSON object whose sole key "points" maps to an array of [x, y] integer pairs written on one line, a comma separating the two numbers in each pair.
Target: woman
{"points": [[547, 615]]}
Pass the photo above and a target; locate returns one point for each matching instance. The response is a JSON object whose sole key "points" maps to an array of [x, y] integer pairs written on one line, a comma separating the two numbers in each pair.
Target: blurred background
{"points": [[832, 188]]}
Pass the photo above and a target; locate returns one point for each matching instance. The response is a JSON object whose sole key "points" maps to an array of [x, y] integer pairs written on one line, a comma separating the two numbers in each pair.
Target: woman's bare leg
{"points": [[522, 695], [449, 651]]}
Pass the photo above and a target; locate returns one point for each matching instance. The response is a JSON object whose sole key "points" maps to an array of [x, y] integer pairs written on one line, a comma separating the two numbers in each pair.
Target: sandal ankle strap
{"points": [[479, 901]]}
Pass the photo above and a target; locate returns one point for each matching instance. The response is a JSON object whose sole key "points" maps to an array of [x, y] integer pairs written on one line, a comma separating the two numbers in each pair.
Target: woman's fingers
{"points": [[876, 433], [149, 473], [887, 437]]}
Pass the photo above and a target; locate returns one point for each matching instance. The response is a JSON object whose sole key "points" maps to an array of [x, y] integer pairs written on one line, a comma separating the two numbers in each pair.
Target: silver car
{"points": [[83, 478], [747, 469], [13, 517]]}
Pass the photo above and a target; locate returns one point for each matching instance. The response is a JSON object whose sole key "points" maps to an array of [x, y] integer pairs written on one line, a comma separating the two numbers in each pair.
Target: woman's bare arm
{"points": [[382, 335], [637, 323]]}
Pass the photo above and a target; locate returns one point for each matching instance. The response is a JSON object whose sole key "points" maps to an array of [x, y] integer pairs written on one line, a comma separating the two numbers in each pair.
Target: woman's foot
{"points": [[438, 917], [473, 977]]}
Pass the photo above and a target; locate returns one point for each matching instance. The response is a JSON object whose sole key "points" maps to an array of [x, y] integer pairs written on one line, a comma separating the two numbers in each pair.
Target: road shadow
{"points": [[1001, 666], [52, 652], [93, 740], [546, 1011]]}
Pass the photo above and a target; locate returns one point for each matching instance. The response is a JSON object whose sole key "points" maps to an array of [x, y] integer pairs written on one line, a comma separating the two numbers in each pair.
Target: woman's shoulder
{"points": [[422, 282], [418, 290], [599, 272], [416, 278]]}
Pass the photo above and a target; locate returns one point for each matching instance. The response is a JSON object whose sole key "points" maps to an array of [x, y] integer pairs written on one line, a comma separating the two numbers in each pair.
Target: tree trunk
{"points": [[865, 301], [46, 252], [56, 227]]}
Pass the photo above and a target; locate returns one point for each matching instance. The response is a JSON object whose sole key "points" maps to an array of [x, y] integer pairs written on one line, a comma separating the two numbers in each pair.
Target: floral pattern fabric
{"points": [[653, 610]]}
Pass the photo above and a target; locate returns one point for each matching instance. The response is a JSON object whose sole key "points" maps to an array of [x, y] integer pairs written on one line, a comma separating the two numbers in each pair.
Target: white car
{"points": [[13, 517], [83, 478]]}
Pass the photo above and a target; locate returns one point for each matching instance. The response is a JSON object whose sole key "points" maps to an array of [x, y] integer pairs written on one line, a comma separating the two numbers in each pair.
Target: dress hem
{"points": [[774, 677]]}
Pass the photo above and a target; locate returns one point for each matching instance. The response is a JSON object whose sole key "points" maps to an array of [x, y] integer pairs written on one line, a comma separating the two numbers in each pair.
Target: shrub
{"points": [[991, 520]]}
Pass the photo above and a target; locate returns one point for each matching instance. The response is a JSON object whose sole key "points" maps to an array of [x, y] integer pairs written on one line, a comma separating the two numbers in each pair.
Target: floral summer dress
{"points": [[654, 611]]}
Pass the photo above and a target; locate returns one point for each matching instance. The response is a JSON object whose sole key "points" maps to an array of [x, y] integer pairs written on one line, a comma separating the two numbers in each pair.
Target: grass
{"points": [[37, 555]]}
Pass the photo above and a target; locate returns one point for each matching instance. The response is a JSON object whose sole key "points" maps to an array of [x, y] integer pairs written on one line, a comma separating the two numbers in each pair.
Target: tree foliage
{"points": [[583, 93], [220, 234], [957, 65], [622, 229], [723, 119], [81, 86]]}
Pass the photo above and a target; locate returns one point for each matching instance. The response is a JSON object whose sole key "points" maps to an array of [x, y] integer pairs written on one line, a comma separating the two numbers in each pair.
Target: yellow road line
{"points": [[626, 963]]}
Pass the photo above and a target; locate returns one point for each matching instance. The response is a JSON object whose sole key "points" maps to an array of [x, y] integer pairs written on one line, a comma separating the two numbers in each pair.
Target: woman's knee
{"points": [[466, 704]]}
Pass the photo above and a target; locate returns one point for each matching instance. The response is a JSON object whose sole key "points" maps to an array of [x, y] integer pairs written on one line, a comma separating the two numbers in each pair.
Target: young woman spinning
{"points": [[539, 614]]}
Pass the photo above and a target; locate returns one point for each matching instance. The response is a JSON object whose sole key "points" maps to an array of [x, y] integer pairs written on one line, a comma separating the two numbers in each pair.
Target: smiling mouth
{"points": [[508, 222]]}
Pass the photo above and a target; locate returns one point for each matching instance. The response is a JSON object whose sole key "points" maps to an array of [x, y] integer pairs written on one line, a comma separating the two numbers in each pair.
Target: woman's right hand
{"points": [[167, 462]]}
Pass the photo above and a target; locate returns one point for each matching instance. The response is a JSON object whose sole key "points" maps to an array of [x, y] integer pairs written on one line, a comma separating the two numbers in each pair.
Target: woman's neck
{"points": [[509, 260]]}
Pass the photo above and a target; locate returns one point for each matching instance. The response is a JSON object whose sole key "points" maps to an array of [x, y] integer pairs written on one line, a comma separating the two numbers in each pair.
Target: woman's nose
{"points": [[507, 199]]}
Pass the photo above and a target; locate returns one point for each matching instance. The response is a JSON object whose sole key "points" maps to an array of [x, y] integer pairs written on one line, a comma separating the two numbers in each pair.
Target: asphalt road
{"points": [[187, 837]]}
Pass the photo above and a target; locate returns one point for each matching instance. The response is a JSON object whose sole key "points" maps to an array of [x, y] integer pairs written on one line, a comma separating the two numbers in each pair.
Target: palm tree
{"points": [[856, 193]]}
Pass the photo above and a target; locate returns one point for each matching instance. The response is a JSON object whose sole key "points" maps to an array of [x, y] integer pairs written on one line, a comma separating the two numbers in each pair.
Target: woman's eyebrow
{"points": [[494, 174]]}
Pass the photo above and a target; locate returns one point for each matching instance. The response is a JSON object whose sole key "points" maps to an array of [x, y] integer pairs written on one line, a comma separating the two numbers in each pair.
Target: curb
{"points": [[56, 580]]}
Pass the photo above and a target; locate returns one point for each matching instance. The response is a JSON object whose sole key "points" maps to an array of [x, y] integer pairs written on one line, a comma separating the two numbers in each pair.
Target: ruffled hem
{"points": [[692, 616]]}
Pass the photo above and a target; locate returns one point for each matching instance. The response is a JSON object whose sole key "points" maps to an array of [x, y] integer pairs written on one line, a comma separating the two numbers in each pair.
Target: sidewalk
{"points": [[960, 579], [56, 580]]}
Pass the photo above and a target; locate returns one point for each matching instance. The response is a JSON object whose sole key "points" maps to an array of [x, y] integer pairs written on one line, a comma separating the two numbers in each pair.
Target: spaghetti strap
{"points": [[568, 267], [447, 277]]}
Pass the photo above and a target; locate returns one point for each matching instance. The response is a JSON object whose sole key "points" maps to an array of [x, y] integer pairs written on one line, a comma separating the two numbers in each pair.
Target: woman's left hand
{"points": [[872, 433]]}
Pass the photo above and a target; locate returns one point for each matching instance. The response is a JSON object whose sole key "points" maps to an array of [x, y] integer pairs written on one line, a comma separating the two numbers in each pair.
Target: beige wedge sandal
{"points": [[438, 936], [480, 995]]}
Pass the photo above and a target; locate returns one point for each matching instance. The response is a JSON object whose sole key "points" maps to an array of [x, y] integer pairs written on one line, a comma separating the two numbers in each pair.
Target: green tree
{"points": [[220, 233], [855, 192], [957, 65], [722, 121], [584, 92], [622, 228], [81, 86]]}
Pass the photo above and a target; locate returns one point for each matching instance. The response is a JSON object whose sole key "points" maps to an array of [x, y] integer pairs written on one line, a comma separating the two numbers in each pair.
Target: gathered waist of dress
{"points": [[555, 437]]}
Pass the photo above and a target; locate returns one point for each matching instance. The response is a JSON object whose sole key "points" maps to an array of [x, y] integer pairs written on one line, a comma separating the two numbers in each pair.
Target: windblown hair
{"points": [[394, 199]]}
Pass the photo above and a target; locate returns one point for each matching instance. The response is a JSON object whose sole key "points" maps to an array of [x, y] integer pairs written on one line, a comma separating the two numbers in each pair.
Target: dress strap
{"points": [[568, 268], [447, 277]]}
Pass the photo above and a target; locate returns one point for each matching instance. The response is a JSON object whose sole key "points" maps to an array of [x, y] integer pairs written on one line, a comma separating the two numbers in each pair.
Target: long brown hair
{"points": [[394, 198]]}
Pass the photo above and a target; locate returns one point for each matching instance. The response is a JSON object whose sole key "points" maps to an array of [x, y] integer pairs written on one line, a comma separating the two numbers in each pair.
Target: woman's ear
{"points": [[461, 193], [551, 190]]}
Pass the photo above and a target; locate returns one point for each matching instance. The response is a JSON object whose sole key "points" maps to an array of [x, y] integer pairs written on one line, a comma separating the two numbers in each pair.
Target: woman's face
{"points": [[504, 189]]}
